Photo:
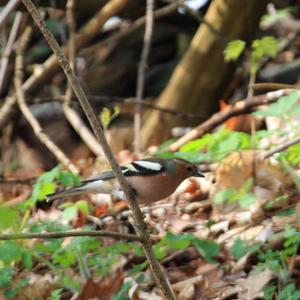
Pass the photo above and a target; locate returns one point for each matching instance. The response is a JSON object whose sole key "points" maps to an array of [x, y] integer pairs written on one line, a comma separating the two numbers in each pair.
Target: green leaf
{"points": [[68, 178], [267, 46], [10, 251], [27, 259], [239, 249], [6, 275], [107, 115], [269, 292], [289, 292], [160, 252], [64, 257], [178, 241], [285, 105], [83, 206], [55, 294], [247, 200], [287, 212], [234, 49], [45, 189], [207, 249], [70, 213], [279, 15], [247, 185], [69, 283], [224, 195], [123, 292], [138, 268], [8, 217]]}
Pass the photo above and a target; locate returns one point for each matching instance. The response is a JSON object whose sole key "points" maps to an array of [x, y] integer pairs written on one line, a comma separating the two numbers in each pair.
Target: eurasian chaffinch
{"points": [[152, 179]]}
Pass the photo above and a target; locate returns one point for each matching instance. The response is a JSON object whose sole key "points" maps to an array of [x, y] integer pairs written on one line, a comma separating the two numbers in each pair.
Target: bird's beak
{"points": [[198, 173]]}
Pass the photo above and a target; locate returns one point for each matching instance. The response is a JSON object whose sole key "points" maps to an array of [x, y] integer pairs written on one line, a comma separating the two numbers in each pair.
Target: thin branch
{"points": [[63, 234], [71, 115], [70, 11], [161, 279], [148, 103], [44, 138], [273, 86], [113, 39], [82, 130], [8, 8], [141, 75], [9, 47], [218, 118], [281, 147]]}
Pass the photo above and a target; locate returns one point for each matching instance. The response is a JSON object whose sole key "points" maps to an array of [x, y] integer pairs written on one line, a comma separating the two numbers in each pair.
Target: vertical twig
{"points": [[70, 11], [161, 279], [25, 109], [8, 8], [252, 124], [141, 75], [70, 114], [9, 47]]}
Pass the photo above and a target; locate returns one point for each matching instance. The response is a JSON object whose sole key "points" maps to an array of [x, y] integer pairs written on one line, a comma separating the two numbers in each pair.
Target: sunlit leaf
{"points": [[234, 49]]}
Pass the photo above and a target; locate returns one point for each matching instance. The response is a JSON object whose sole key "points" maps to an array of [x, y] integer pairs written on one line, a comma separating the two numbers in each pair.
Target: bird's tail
{"points": [[66, 193]]}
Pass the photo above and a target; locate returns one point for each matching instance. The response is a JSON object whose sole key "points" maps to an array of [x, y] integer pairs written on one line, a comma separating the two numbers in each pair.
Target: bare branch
{"points": [[8, 8], [63, 234], [141, 75], [9, 47], [44, 138], [218, 118], [281, 147]]}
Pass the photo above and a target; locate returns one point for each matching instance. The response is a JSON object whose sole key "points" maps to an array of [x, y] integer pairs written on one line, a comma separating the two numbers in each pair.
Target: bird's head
{"points": [[187, 169]]}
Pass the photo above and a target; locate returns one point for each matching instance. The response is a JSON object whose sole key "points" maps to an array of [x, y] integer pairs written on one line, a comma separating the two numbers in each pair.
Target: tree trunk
{"points": [[202, 74]]}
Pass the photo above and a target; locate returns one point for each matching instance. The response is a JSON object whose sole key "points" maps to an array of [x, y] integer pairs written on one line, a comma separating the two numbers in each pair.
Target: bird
{"points": [[152, 179]]}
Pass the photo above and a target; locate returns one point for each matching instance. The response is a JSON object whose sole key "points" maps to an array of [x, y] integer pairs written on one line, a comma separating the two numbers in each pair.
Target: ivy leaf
{"points": [[10, 251], [27, 259], [83, 206], [239, 249], [178, 241], [267, 46], [70, 213], [224, 195], [207, 249], [8, 217], [234, 49], [6, 275], [247, 200]]}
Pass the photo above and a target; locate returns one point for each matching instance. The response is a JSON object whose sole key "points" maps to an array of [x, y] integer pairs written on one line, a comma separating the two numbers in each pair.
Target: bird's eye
{"points": [[190, 169]]}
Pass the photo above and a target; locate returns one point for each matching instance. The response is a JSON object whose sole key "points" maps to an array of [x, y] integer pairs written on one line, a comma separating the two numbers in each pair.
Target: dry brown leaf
{"points": [[239, 166], [103, 289], [252, 286]]}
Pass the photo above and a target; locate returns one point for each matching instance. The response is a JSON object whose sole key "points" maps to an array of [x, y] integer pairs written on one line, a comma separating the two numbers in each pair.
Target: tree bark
{"points": [[202, 74]]}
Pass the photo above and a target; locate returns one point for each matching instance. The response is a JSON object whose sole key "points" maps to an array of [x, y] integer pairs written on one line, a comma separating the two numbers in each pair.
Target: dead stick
{"points": [[141, 75], [44, 138], [218, 118], [71, 115], [161, 279], [8, 8], [281, 147], [63, 234], [273, 86], [9, 48]]}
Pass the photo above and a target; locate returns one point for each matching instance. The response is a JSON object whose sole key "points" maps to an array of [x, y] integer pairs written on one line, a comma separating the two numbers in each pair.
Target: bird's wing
{"points": [[107, 175], [141, 167]]}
